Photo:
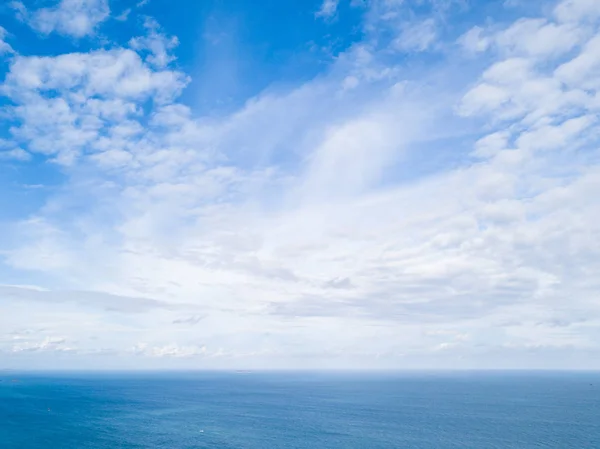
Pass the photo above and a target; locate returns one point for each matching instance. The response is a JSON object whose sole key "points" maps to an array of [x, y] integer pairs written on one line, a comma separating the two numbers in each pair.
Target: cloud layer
{"points": [[409, 207]]}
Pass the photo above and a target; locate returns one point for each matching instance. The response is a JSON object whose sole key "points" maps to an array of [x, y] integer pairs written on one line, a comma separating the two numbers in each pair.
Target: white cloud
{"points": [[328, 8], [584, 70], [517, 87], [172, 350], [556, 137], [4, 46], [76, 18], [156, 43], [537, 37], [117, 73], [526, 37], [419, 36], [577, 10], [492, 144], [475, 40], [19, 9], [48, 344], [17, 154], [97, 102], [124, 15]]}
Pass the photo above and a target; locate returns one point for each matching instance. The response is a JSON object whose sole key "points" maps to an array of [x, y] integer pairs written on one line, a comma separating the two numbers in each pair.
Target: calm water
{"points": [[468, 410]]}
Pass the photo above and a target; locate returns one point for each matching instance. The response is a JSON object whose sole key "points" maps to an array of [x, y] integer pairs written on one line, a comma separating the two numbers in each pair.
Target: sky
{"points": [[352, 184]]}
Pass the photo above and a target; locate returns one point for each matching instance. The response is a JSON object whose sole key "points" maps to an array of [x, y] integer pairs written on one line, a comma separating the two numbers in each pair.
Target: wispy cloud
{"points": [[124, 15], [4, 46], [16, 154], [418, 36], [156, 43], [328, 9]]}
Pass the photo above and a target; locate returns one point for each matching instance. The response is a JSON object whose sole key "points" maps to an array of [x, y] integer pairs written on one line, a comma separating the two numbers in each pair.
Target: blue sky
{"points": [[372, 184]]}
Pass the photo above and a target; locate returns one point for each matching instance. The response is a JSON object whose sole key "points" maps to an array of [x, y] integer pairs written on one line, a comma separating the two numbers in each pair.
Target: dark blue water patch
{"points": [[300, 410]]}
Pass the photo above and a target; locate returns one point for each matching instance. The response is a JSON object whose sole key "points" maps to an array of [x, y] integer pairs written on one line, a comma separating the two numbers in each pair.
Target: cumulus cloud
{"points": [[99, 91]]}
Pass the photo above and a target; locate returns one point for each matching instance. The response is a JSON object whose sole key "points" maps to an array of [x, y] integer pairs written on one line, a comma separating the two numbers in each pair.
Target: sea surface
{"points": [[300, 410]]}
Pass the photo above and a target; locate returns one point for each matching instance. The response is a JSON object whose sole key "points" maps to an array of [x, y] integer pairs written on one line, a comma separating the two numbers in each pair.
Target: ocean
{"points": [[300, 410]]}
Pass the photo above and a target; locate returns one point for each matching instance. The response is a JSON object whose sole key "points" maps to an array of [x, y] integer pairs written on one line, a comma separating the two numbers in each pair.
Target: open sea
{"points": [[300, 410]]}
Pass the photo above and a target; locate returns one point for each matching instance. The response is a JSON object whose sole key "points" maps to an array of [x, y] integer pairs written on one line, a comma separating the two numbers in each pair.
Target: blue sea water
{"points": [[300, 410]]}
